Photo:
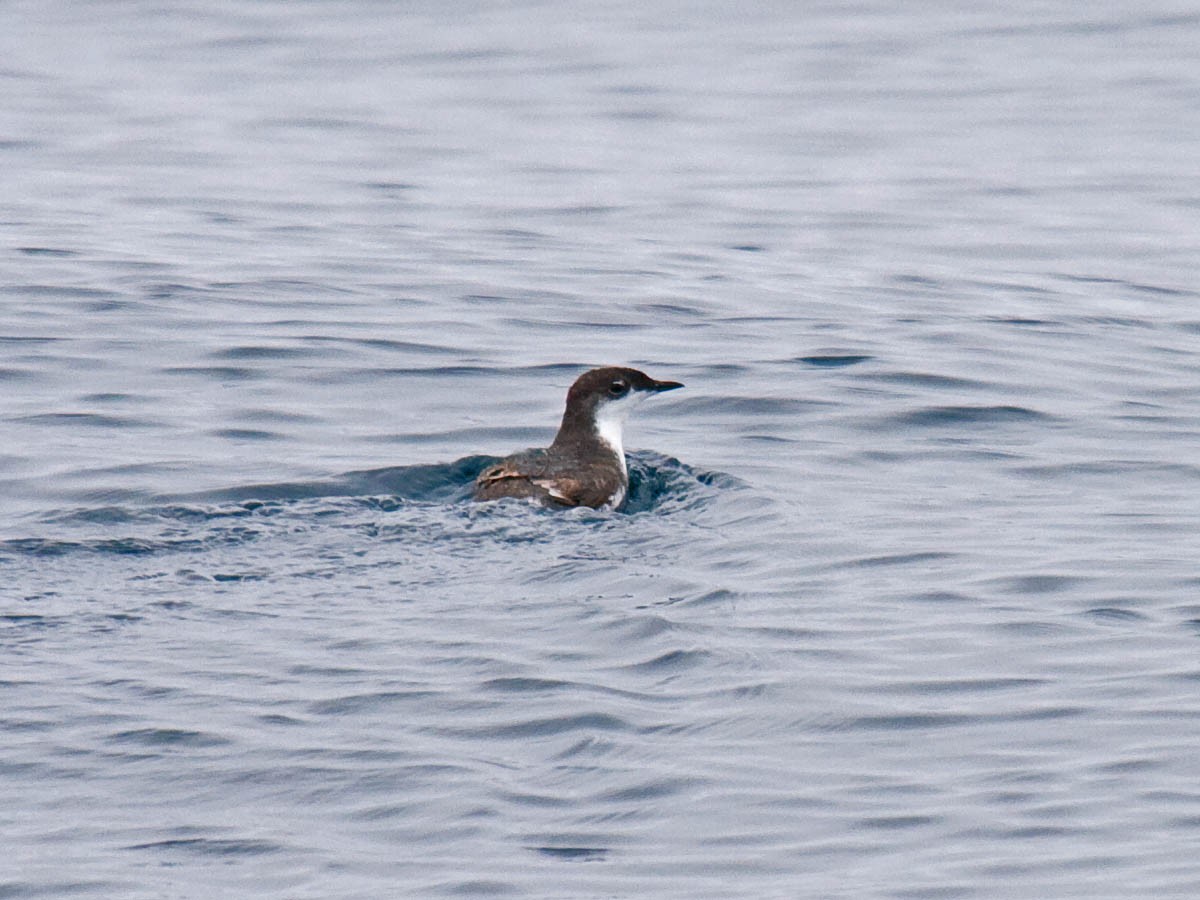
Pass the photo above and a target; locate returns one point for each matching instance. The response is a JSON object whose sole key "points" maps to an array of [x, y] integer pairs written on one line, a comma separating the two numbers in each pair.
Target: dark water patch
{"points": [[899, 559], [959, 685], [941, 597], [322, 295], [897, 823], [168, 737], [768, 439], [257, 352], [356, 703], [316, 123], [939, 892], [47, 251], [556, 326], [289, 417], [1113, 615], [577, 210], [640, 628], [390, 187], [547, 726], [1057, 471], [671, 661], [108, 397], [1033, 628], [247, 434], [907, 722], [701, 598], [32, 620], [234, 577], [573, 854], [928, 380], [1039, 584], [1138, 287], [47, 547], [641, 115], [953, 416], [1024, 322], [949, 721], [918, 280], [220, 848], [33, 340], [524, 685], [53, 889], [445, 482], [127, 546], [221, 373], [476, 887], [64, 292], [303, 669], [1192, 625], [118, 515], [88, 420], [765, 320], [169, 290], [675, 310], [650, 790], [665, 484], [833, 361], [279, 719], [397, 346]]}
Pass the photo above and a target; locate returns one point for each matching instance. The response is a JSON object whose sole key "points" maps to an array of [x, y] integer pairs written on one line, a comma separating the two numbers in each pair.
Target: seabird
{"points": [[585, 466]]}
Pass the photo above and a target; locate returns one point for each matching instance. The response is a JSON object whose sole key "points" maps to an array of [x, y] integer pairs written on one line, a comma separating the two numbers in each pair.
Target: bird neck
{"points": [[589, 433]]}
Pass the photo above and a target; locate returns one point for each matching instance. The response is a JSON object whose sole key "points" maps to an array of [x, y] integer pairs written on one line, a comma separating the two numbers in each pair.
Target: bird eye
{"points": [[617, 388]]}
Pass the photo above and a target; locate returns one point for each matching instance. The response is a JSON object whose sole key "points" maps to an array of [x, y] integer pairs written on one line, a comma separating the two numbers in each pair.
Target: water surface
{"points": [[904, 604]]}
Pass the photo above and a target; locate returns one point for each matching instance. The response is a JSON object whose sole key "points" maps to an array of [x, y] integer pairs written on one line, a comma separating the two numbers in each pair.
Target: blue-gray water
{"points": [[907, 603]]}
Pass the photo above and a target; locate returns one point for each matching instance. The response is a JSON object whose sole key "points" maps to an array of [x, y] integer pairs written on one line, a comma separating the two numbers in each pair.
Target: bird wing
{"points": [[500, 472], [564, 490], [532, 474]]}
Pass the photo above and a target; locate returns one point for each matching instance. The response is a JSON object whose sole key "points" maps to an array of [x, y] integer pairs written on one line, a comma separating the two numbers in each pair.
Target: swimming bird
{"points": [[585, 466]]}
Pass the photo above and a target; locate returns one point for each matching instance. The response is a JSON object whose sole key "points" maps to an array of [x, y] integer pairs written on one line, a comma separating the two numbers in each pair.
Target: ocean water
{"points": [[905, 603]]}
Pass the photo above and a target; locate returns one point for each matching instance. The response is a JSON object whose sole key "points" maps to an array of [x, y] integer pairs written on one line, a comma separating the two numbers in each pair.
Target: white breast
{"points": [[610, 426]]}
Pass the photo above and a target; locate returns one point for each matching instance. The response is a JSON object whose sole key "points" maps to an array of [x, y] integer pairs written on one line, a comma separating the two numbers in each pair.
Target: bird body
{"points": [[585, 465]]}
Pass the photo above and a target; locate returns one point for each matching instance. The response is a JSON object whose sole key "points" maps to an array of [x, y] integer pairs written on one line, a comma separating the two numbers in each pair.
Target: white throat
{"points": [[610, 425]]}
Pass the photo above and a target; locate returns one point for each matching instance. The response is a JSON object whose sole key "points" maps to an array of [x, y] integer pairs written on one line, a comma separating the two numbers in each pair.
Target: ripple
{"points": [[258, 351], [1114, 615], [542, 727], [55, 252], [168, 737], [573, 854], [672, 660], [928, 380], [215, 847], [948, 416], [834, 361], [89, 420], [524, 685], [357, 703]]}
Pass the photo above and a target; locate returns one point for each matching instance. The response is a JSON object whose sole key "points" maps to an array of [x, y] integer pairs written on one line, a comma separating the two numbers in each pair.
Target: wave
{"points": [[197, 522]]}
